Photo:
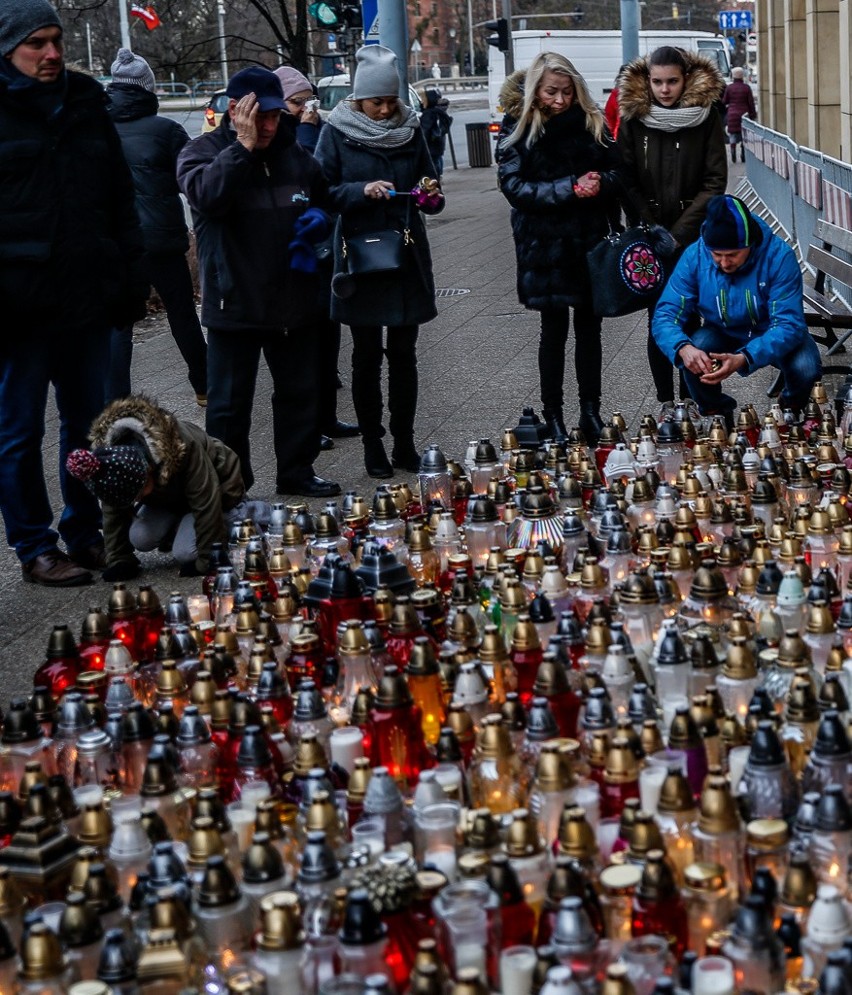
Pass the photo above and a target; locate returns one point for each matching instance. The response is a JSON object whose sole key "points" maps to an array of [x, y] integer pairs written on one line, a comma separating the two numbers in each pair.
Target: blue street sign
{"points": [[735, 20], [370, 20]]}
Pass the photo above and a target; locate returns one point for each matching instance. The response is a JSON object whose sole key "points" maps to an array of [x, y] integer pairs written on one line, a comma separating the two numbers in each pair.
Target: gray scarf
{"points": [[390, 134], [675, 118]]}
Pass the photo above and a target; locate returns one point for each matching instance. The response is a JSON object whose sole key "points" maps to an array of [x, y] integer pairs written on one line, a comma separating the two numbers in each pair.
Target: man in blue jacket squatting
{"points": [[745, 284]]}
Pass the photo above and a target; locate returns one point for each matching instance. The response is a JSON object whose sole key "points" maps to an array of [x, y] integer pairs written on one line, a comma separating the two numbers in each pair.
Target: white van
{"points": [[332, 89], [597, 56]]}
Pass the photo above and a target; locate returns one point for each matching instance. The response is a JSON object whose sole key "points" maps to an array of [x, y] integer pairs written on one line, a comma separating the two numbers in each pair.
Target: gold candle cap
{"points": [[740, 663], [41, 954], [162, 960], [717, 808], [281, 922], [576, 837], [204, 841], [684, 733], [12, 900], [657, 883], [309, 754], [799, 888], [552, 772], [513, 596], [676, 794], [820, 621], [651, 738], [351, 639], [646, 837], [793, 651], [599, 637], [617, 981], [469, 981], [732, 732], [95, 825], [801, 706], [523, 839], [704, 876], [493, 647], [494, 740], [621, 765], [358, 780], [767, 833]]}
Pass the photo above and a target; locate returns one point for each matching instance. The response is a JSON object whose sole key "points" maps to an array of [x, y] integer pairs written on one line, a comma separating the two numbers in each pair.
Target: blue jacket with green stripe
{"points": [[759, 306]]}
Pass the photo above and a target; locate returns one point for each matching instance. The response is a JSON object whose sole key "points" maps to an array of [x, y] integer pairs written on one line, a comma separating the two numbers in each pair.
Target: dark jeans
{"points": [[170, 277], [367, 355], [587, 355], [75, 363], [801, 367], [292, 358]]}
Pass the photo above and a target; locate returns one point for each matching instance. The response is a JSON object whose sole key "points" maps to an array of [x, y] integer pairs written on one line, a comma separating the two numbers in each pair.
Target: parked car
{"points": [[332, 89], [216, 107]]}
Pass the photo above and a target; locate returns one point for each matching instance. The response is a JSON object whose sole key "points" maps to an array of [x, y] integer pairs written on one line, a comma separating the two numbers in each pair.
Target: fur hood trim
{"points": [[137, 420], [512, 93], [704, 86]]}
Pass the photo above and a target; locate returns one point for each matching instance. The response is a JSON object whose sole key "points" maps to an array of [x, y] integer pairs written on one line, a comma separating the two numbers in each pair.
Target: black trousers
{"points": [[329, 350], [367, 356], [587, 354], [169, 274], [232, 363]]}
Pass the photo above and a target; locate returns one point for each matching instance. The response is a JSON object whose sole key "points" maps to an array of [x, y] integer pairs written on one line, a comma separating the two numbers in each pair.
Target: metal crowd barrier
{"points": [[798, 186]]}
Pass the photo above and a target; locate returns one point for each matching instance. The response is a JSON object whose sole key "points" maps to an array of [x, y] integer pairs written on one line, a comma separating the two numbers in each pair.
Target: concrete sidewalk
{"points": [[478, 368]]}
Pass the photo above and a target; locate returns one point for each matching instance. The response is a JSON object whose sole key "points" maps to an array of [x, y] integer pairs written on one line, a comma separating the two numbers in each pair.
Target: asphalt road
{"points": [[193, 120]]}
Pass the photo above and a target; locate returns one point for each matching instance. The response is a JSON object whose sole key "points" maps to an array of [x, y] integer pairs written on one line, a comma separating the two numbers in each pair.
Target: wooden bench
{"points": [[820, 312]]}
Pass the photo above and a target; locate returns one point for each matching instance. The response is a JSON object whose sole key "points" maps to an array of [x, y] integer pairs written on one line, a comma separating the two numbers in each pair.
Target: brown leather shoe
{"points": [[89, 557], [55, 569]]}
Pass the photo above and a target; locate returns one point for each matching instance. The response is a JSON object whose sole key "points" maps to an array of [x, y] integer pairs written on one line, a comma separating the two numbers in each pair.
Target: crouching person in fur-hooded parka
{"points": [[162, 483], [557, 165]]}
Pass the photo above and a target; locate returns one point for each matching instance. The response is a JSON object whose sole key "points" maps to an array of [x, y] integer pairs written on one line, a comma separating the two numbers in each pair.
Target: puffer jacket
{"points": [[552, 227], [193, 473], [70, 244], [760, 304], [151, 145], [405, 297], [245, 205], [670, 176]]}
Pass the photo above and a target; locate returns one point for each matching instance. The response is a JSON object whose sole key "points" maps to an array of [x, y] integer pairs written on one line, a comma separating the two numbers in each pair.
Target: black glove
{"points": [[190, 569], [123, 570]]}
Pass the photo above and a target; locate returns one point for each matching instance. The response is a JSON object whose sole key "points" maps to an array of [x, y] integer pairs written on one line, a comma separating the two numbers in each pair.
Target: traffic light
{"points": [[501, 39], [326, 13], [352, 16]]}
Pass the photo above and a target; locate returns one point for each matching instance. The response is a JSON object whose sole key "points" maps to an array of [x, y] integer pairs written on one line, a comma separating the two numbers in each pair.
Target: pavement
{"points": [[478, 368]]}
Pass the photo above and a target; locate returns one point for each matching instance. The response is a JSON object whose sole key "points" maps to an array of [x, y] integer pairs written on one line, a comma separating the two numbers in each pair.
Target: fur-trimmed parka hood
{"points": [[512, 93], [136, 420], [704, 86]]}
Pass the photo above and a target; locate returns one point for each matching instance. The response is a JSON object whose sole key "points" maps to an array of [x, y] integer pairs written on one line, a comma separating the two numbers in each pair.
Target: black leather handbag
{"points": [[378, 251], [630, 271]]}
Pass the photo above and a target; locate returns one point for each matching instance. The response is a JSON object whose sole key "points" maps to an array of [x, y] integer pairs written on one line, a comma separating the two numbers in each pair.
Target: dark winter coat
{"points": [[739, 102], [151, 146], [70, 244], [553, 228], [244, 205], [435, 124], [670, 176], [406, 297], [193, 473]]}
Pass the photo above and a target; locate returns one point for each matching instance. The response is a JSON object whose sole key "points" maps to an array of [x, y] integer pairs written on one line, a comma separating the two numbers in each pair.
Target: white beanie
{"points": [[376, 74], [133, 70]]}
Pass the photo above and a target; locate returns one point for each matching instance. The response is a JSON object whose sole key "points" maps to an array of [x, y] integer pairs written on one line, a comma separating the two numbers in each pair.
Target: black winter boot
{"points": [[590, 421], [733, 153], [376, 459], [405, 456], [555, 422], [742, 153]]}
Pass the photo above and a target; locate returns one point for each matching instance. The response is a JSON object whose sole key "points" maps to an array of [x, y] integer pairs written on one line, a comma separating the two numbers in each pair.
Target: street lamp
{"points": [[223, 51]]}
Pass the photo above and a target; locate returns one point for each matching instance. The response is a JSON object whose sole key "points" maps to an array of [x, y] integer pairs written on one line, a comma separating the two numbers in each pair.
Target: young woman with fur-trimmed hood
{"points": [[672, 147], [557, 168]]}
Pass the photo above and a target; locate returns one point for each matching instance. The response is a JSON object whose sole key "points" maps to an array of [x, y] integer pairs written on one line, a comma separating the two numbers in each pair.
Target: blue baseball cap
{"points": [[263, 83]]}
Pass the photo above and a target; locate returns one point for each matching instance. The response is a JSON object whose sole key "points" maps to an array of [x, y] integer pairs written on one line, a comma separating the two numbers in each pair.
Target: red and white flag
{"points": [[147, 15]]}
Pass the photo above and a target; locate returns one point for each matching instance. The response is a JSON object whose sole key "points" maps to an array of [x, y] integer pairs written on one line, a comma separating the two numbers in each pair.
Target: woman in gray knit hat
{"points": [[374, 154]]}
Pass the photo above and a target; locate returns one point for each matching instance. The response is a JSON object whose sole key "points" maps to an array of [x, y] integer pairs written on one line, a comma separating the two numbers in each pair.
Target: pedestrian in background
{"points": [[303, 105], [739, 103], [672, 147], [249, 184], [373, 153], [556, 166], [70, 246], [151, 146], [435, 123]]}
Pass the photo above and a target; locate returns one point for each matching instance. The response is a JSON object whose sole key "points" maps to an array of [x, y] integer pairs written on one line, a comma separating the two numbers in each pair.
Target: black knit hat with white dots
{"points": [[114, 474]]}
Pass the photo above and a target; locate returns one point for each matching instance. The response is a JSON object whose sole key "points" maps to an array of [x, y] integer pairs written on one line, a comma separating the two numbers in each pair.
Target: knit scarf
{"points": [[675, 118], [390, 134]]}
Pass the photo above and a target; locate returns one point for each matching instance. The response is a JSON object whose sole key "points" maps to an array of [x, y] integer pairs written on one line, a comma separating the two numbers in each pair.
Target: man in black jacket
{"points": [[151, 146], [249, 182], [69, 249]]}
